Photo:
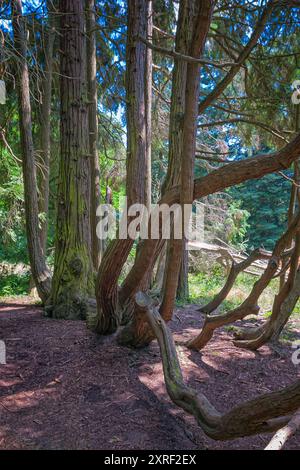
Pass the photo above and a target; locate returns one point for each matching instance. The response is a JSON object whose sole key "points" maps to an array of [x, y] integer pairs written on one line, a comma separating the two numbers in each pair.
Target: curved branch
{"points": [[280, 438], [222, 85], [216, 181], [235, 270], [262, 414], [249, 306]]}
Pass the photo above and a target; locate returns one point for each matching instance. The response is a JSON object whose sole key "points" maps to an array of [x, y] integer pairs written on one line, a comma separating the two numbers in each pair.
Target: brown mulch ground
{"points": [[65, 388]]}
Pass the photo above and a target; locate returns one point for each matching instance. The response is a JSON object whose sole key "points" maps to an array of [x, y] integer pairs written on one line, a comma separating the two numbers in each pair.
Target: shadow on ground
{"points": [[65, 388]]}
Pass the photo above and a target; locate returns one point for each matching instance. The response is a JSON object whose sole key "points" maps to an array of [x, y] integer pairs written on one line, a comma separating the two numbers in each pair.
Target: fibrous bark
{"points": [[40, 272], [229, 175], [137, 113], [73, 279], [182, 293], [45, 131], [283, 305]]}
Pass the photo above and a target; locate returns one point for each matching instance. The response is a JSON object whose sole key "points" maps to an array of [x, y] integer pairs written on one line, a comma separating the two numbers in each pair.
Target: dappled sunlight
{"points": [[10, 382], [96, 387], [27, 399], [149, 224]]}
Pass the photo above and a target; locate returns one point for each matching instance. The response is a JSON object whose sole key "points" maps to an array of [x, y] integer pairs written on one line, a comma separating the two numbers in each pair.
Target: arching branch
{"points": [[263, 414], [280, 438], [249, 306], [222, 85], [235, 270], [218, 180]]}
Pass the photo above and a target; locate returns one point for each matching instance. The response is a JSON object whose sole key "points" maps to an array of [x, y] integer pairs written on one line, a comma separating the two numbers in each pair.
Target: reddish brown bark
{"points": [[73, 279], [235, 270], [137, 111]]}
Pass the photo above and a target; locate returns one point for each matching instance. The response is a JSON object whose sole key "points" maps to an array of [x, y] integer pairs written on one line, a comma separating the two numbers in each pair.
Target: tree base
{"points": [[72, 308], [137, 334]]}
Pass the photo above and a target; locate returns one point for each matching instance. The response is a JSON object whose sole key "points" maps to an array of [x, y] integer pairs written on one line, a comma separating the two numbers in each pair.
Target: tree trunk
{"points": [[283, 305], [193, 24], [225, 177], [73, 280], [45, 132], [93, 129], [183, 281], [40, 272], [137, 91]]}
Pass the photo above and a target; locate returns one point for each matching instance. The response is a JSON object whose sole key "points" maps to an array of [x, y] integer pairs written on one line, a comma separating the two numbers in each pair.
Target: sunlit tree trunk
{"points": [[137, 76], [193, 23], [73, 280]]}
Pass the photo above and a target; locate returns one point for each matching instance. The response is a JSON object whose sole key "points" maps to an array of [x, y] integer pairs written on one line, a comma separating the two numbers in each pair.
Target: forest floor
{"points": [[65, 388]]}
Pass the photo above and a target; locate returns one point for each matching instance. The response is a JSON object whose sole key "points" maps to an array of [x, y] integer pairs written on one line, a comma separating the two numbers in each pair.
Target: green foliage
{"points": [[204, 286], [238, 224], [12, 223], [13, 285], [266, 200]]}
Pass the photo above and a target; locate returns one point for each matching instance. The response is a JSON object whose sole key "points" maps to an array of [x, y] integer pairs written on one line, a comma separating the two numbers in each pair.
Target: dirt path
{"points": [[65, 388]]}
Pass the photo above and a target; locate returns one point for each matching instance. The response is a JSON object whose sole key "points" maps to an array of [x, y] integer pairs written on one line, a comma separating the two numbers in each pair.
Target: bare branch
{"points": [[280, 438], [178, 56], [262, 414], [222, 85]]}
